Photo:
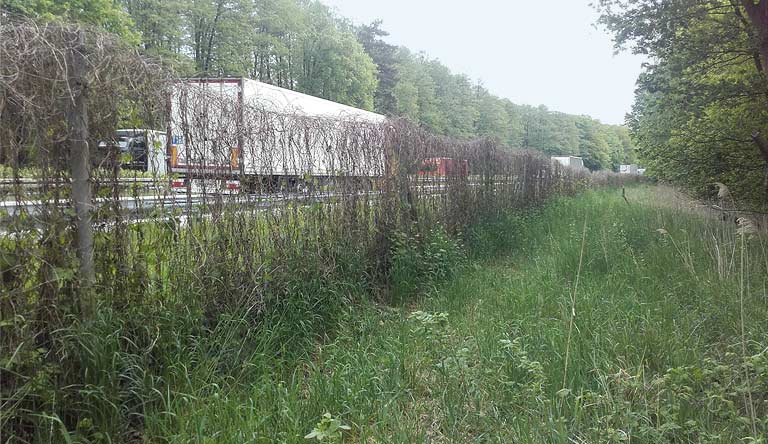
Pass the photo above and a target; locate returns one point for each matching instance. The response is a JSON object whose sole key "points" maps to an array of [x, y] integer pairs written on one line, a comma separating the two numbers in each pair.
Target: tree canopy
{"points": [[702, 100], [305, 46]]}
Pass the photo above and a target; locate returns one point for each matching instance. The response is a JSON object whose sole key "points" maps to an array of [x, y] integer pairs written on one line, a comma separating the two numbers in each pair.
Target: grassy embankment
{"points": [[589, 320]]}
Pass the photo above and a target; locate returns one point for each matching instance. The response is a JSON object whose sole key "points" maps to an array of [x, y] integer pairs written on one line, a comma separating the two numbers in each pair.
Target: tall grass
{"points": [[667, 346]]}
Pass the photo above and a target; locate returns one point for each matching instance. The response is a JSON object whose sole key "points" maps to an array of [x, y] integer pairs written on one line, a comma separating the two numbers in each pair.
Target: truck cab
{"points": [[140, 149]]}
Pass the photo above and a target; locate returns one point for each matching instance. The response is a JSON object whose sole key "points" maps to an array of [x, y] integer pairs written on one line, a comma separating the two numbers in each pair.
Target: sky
{"points": [[530, 51]]}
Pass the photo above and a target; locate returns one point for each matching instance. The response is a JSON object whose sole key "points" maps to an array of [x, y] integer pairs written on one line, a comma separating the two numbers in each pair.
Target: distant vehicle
{"points": [[140, 149], [444, 167], [569, 161], [215, 137], [629, 169]]}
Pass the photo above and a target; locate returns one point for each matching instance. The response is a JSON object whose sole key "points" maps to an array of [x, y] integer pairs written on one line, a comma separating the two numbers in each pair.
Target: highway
{"points": [[181, 206], [140, 204]]}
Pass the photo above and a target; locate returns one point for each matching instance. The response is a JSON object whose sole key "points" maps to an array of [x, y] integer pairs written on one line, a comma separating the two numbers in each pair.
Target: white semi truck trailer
{"points": [[569, 161], [228, 133]]}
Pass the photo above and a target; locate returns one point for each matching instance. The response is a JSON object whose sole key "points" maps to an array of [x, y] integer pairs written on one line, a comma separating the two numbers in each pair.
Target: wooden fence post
{"points": [[79, 159]]}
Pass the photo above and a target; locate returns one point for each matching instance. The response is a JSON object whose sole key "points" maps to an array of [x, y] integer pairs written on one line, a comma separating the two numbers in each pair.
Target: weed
{"points": [[328, 429]]}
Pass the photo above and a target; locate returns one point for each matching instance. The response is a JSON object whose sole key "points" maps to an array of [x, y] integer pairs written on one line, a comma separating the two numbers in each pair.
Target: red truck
{"points": [[444, 167]]}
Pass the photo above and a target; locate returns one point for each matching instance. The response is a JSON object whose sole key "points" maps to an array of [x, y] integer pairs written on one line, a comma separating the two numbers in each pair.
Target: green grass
{"points": [[667, 342]]}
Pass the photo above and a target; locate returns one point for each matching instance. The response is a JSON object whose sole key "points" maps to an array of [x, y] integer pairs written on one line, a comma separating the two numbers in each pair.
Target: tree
{"points": [[281, 26], [593, 147], [383, 55], [621, 149], [303, 46], [415, 92], [756, 29], [335, 65], [492, 118], [456, 101], [516, 124], [159, 23], [702, 102], [218, 35]]}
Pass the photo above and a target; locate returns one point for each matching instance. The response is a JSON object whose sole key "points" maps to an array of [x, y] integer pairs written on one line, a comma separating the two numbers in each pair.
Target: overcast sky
{"points": [[530, 51]]}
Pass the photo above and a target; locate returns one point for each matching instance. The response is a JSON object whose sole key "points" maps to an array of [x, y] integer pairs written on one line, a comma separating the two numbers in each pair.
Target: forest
{"points": [[305, 46]]}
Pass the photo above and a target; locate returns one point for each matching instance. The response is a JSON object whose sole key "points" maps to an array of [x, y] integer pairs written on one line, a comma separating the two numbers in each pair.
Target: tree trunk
{"points": [[762, 145], [758, 16], [3, 157], [211, 36], [255, 72], [290, 64], [77, 122]]}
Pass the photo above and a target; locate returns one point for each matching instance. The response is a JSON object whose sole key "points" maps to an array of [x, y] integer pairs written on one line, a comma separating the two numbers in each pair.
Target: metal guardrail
{"points": [[38, 182]]}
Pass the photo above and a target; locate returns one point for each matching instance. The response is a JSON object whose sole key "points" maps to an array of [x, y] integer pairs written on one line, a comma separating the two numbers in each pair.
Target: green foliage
{"points": [[102, 13], [497, 236], [160, 23], [383, 55], [482, 357], [335, 65], [693, 403], [420, 261], [429, 326], [328, 429], [703, 95], [523, 378]]}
